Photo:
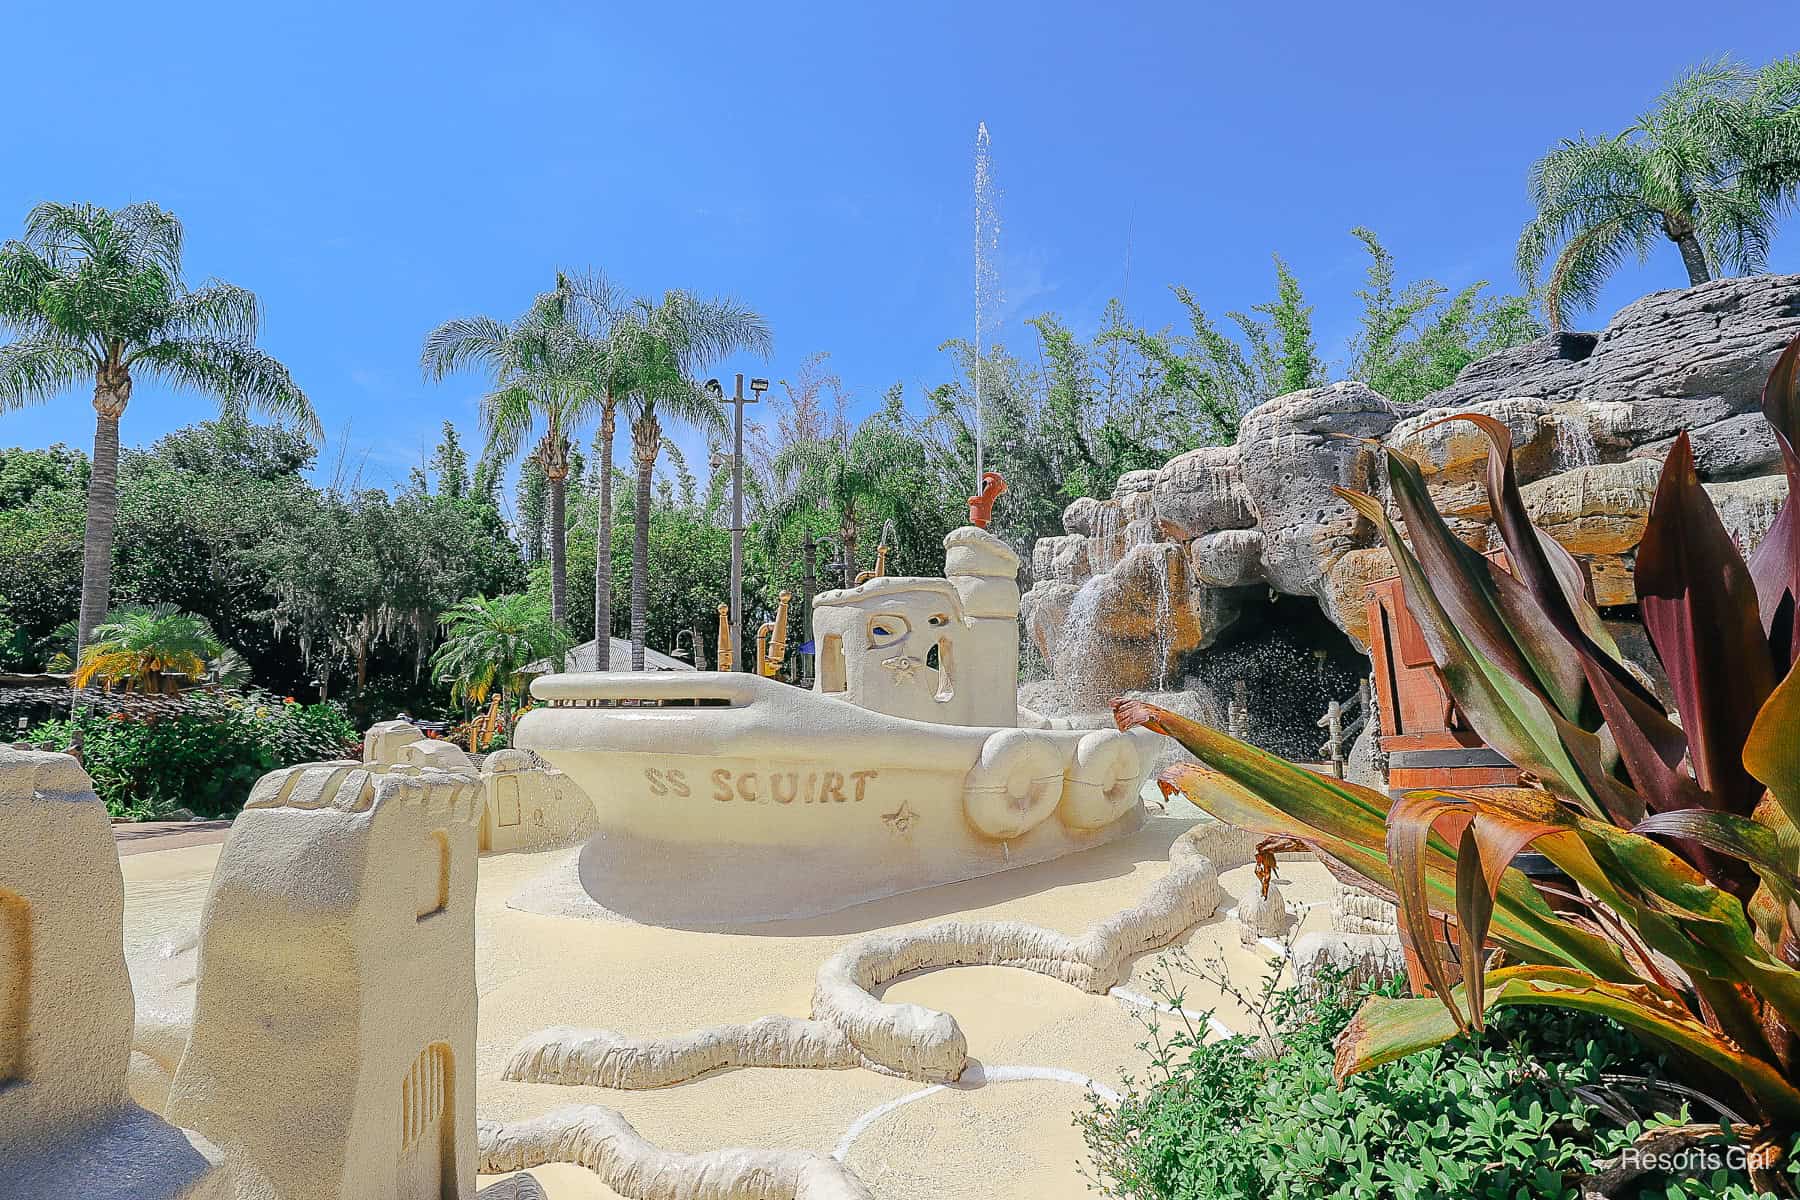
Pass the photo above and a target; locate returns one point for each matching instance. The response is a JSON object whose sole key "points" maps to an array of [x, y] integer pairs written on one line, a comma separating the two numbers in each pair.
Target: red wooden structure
{"points": [[1427, 741]]}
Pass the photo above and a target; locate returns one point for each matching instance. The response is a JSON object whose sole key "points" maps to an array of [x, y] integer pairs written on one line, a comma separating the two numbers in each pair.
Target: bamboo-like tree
{"points": [[541, 368], [96, 293], [1709, 169], [657, 349]]}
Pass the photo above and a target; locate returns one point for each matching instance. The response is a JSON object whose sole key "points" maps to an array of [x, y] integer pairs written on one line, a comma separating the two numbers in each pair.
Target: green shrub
{"points": [[203, 758], [1513, 1116]]}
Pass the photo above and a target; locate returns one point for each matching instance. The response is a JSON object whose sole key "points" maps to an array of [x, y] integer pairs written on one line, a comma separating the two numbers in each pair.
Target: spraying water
{"points": [[987, 278]]}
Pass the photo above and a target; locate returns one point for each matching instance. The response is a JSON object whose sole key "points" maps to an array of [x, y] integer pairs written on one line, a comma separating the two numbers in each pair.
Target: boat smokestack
{"points": [[985, 572]]}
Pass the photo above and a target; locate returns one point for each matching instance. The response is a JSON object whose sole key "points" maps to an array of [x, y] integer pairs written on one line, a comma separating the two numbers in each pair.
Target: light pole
{"points": [[738, 400]]}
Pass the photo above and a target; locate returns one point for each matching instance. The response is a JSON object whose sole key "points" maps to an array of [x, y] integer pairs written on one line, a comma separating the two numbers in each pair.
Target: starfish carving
{"points": [[902, 665], [901, 819]]}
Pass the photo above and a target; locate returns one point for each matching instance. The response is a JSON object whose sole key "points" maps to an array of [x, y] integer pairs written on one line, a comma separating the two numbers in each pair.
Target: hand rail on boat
{"points": [[610, 688]]}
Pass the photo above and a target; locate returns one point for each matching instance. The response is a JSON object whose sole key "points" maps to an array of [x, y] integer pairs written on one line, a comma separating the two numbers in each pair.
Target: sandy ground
{"points": [[536, 970]]}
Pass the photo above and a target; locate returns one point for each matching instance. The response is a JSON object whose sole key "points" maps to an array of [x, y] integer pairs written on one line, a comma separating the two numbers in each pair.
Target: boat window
{"points": [[941, 656], [887, 628], [831, 664], [939, 620]]}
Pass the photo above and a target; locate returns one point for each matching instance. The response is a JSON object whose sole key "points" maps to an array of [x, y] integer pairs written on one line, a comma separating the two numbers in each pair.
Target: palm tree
{"points": [[607, 362], [659, 347], [867, 475], [1709, 169], [489, 643], [541, 367], [95, 292], [155, 648]]}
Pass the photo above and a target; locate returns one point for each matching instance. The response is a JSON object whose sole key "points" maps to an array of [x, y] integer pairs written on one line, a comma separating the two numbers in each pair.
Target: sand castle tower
{"points": [[67, 1124], [332, 1052]]}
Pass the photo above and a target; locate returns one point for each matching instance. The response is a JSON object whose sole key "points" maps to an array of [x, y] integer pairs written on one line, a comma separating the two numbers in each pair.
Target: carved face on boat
{"points": [[890, 645]]}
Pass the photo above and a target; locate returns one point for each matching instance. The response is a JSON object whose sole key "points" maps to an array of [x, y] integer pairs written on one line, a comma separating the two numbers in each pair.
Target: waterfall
{"points": [[1575, 443]]}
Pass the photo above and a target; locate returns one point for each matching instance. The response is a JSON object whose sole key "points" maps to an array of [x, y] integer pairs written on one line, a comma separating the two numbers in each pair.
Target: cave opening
{"points": [[1286, 662]]}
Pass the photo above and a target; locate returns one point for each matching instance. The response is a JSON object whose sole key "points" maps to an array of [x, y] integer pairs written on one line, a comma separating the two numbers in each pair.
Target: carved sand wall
{"points": [[67, 1126], [333, 1042]]}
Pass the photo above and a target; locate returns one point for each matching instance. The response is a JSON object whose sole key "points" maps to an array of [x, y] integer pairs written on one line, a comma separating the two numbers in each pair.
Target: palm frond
{"points": [[243, 378], [464, 342], [32, 370], [23, 275], [216, 310], [510, 416]]}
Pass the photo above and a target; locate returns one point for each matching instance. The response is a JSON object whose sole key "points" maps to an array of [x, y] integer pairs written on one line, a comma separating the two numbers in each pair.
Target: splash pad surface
{"points": [[935, 1141]]}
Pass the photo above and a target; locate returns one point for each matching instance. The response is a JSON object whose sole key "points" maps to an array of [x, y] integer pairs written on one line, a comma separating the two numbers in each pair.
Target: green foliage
{"points": [[689, 569], [42, 518], [1513, 1114], [1415, 341], [864, 478], [1676, 830], [1297, 364], [29, 475], [205, 757], [1710, 168]]}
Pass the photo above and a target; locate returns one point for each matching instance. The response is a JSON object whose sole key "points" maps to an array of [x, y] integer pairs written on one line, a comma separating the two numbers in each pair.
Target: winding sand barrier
{"points": [[851, 1027], [605, 1143], [602, 1058]]}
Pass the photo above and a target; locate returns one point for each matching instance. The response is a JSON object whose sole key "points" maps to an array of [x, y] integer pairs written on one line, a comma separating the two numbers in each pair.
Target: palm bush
{"points": [[1676, 830], [489, 643], [156, 648]]}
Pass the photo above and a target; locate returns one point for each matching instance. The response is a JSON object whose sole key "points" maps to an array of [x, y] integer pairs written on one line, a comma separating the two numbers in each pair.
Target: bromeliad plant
{"points": [[1677, 830]]}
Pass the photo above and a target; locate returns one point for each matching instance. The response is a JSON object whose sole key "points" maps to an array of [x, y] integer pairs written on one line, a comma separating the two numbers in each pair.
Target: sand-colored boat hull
{"points": [[729, 799]]}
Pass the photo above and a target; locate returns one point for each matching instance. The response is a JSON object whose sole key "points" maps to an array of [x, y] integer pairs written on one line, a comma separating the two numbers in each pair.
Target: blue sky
{"points": [[371, 169]]}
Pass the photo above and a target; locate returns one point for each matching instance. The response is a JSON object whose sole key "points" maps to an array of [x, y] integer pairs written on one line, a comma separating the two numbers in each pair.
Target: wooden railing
{"points": [[1343, 720]]}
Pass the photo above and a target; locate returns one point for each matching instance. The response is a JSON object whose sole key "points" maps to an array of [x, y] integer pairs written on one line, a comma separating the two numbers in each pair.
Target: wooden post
{"points": [[1334, 729]]}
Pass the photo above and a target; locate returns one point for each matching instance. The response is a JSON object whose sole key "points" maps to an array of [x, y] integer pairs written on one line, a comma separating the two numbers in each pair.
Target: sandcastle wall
{"points": [[336, 990]]}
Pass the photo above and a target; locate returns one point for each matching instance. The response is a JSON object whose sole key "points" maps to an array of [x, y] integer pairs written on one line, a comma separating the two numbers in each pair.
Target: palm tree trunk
{"points": [[603, 545], [1680, 229], [646, 441], [554, 455], [112, 390], [559, 563]]}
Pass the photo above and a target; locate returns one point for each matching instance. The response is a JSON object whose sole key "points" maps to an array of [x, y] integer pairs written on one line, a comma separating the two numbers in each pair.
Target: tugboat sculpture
{"points": [[729, 798]]}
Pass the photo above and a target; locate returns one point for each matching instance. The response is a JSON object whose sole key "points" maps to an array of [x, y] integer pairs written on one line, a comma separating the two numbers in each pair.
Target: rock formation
{"points": [[1188, 557]]}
